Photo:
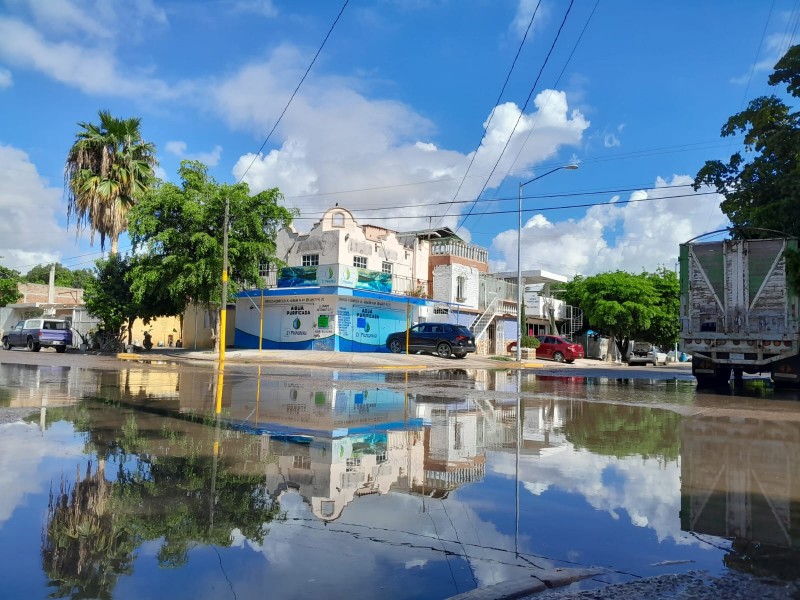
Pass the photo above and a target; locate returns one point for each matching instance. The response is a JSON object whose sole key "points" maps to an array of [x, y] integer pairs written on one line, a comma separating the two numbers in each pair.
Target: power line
{"points": [[521, 111], [515, 198], [549, 97], [496, 103], [542, 209], [294, 93], [643, 153]]}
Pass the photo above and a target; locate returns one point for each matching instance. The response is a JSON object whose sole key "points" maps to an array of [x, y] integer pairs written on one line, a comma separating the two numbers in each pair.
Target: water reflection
{"points": [[345, 486], [740, 480]]}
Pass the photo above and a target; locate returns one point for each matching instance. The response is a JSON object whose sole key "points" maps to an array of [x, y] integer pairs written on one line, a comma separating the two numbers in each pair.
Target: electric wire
{"points": [[539, 209], [521, 111], [353, 208], [549, 97], [496, 104], [294, 93]]}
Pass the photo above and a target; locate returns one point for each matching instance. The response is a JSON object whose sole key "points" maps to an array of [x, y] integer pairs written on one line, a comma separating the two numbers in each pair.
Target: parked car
{"points": [[644, 353], [39, 333], [444, 339], [558, 349]]}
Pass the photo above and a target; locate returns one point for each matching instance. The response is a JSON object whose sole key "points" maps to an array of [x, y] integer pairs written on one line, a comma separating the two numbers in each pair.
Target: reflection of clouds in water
{"points": [[648, 489], [386, 532], [537, 489], [22, 450]]}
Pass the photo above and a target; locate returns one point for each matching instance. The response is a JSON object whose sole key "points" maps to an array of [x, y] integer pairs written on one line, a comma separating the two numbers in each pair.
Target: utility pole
{"points": [[223, 313]]}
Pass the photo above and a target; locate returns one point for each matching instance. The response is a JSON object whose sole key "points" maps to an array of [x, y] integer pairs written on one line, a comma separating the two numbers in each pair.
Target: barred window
{"points": [[310, 260], [360, 262], [386, 267]]}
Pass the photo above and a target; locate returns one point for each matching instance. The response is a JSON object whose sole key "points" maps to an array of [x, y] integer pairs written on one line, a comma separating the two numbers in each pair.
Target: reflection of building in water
{"points": [[454, 446], [32, 386], [331, 473], [740, 478]]}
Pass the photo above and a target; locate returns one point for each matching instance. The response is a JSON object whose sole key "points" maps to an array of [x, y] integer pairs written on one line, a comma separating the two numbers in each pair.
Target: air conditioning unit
{"points": [[424, 312]]}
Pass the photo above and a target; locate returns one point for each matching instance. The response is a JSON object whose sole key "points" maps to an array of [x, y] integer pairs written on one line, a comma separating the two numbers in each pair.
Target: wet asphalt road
{"points": [[688, 585]]}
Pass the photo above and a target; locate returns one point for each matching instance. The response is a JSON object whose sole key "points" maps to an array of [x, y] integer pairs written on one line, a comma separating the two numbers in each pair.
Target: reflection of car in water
{"points": [[644, 353], [443, 339]]}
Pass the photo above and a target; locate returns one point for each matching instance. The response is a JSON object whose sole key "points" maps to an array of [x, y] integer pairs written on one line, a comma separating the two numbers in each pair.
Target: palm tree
{"points": [[107, 170]]}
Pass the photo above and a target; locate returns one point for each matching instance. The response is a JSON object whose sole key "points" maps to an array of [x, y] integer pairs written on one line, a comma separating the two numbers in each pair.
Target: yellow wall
{"points": [[160, 328]]}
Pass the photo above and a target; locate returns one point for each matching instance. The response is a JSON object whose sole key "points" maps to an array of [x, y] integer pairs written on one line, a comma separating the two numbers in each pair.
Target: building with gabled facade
{"points": [[346, 286], [338, 239]]}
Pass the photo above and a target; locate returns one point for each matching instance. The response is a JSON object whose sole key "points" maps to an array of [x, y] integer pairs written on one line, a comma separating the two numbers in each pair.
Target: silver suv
{"points": [[644, 352]]}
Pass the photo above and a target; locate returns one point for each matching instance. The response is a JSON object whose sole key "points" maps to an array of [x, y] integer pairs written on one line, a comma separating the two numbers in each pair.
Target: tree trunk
{"points": [[213, 319], [131, 321], [612, 339], [114, 246]]}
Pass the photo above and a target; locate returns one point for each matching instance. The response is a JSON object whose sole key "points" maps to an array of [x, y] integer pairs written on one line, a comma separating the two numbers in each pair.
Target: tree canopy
{"points": [[761, 183], [107, 170], [109, 297], [9, 290], [180, 229], [65, 277], [627, 307]]}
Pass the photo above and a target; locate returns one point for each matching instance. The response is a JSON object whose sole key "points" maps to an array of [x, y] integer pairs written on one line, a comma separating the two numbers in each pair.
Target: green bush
{"points": [[529, 341]]}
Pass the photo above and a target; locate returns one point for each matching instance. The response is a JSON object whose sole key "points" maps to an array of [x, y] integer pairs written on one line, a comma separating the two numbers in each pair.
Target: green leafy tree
{"points": [[181, 229], [629, 307], [64, 277], [761, 183], [665, 326], [107, 170], [110, 298], [9, 286]]}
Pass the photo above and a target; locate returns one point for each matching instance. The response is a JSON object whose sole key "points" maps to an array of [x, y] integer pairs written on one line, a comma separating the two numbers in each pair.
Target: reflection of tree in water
{"points": [[168, 487], [85, 546], [620, 431]]}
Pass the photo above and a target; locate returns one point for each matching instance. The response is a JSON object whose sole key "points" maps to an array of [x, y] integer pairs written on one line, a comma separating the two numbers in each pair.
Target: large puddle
{"points": [[151, 482]]}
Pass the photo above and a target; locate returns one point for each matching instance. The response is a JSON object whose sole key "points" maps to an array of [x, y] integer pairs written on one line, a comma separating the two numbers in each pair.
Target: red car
{"points": [[559, 349]]}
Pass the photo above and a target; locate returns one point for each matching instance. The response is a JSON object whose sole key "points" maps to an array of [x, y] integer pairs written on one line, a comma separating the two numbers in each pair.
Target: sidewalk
{"points": [[313, 359]]}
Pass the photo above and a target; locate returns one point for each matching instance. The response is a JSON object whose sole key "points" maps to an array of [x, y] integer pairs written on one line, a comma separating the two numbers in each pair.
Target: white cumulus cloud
{"points": [[629, 236]]}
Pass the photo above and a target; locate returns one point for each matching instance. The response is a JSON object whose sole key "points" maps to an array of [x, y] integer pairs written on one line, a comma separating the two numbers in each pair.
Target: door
{"points": [[416, 337]]}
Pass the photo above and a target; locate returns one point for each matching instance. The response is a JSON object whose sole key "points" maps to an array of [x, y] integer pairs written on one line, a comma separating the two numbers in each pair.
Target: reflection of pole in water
{"points": [[516, 461], [215, 448]]}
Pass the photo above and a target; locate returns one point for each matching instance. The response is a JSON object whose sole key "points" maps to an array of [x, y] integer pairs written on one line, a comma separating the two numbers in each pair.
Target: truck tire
{"points": [[6, 345], [33, 346], [61, 349]]}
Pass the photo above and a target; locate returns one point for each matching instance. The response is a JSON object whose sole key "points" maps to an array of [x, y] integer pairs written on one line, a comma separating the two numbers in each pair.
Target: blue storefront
{"points": [[328, 318]]}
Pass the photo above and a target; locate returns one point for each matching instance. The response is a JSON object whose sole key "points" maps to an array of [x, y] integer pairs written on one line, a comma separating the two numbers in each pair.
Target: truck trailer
{"points": [[738, 310]]}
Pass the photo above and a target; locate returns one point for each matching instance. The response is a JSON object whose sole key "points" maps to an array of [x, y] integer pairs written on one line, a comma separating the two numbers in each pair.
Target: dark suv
{"points": [[443, 339]]}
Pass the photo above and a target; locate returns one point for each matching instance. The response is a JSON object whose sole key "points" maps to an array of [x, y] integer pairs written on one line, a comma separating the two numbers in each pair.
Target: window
{"points": [[264, 270], [360, 262], [337, 219], [386, 267], [310, 260], [461, 284]]}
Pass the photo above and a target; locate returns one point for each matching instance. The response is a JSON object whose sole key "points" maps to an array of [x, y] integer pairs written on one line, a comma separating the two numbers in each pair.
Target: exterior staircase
{"points": [[574, 320], [481, 324]]}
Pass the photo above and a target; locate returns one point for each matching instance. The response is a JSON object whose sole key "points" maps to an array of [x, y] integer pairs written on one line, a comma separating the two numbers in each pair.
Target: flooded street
{"points": [[171, 481]]}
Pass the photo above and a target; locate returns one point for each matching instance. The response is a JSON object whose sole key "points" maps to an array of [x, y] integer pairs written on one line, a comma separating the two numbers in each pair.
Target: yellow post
{"points": [[223, 313], [408, 322], [261, 326]]}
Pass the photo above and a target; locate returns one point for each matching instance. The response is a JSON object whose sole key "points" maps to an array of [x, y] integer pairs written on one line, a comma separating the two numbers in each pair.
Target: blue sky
{"points": [[394, 111]]}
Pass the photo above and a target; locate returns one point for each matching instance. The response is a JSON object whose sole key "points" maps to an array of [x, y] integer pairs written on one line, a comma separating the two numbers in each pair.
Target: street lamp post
{"points": [[519, 253]]}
